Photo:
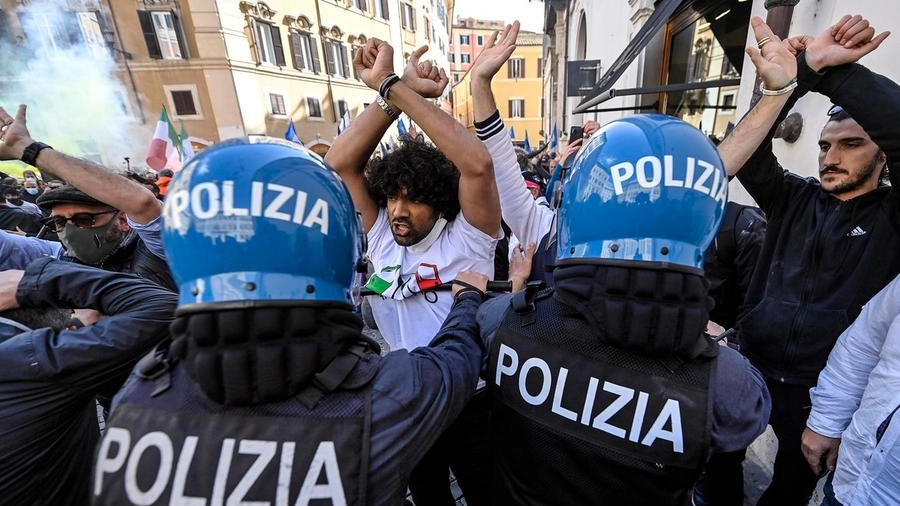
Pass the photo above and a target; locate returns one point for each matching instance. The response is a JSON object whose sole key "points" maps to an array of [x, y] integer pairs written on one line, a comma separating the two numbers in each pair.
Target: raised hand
{"points": [[493, 56], [847, 41], [425, 78], [373, 62], [774, 63], [14, 136], [797, 44]]}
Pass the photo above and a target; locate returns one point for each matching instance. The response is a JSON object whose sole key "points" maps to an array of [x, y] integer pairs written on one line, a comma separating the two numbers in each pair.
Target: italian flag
{"points": [[187, 149], [165, 145]]}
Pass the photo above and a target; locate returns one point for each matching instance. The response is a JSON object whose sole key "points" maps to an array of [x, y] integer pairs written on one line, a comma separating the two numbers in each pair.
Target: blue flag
{"points": [[526, 144], [554, 138], [291, 134], [401, 128], [512, 132]]}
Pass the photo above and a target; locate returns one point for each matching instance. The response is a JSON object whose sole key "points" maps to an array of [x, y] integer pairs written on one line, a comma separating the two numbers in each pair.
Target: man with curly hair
{"points": [[429, 213]]}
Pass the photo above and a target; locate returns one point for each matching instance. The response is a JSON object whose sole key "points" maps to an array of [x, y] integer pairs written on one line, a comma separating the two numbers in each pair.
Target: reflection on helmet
{"points": [[647, 189], [260, 220]]}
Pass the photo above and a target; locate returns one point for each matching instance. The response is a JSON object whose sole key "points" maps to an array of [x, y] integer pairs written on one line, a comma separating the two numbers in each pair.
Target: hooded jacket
{"points": [[822, 258]]}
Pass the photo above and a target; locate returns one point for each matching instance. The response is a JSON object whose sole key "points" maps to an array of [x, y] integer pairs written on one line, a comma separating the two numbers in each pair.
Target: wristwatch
{"points": [[30, 154]]}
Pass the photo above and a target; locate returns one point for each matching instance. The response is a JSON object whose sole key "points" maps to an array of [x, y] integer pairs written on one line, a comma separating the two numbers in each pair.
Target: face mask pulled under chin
{"points": [[89, 245]]}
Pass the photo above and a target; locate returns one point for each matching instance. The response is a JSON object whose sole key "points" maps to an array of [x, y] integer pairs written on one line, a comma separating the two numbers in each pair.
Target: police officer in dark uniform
{"points": [[269, 392], [605, 390]]}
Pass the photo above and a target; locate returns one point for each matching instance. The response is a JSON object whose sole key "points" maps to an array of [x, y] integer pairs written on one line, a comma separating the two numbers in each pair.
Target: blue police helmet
{"points": [[260, 220], [647, 189]]}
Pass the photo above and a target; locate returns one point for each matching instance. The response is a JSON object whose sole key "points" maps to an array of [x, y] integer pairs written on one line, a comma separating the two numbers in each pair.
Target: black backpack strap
{"points": [[156, 367], [333, 375], [523, 301]]}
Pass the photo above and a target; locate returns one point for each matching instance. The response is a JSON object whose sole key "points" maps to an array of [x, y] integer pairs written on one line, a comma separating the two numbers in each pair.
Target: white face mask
{"points": [[432, 236], [32, 191]]}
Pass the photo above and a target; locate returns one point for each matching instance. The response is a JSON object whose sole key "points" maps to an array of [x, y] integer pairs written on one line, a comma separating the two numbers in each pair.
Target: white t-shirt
{"points": [[407, 317]]}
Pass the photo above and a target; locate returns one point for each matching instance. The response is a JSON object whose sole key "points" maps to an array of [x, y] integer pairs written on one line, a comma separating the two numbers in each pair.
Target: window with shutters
{"points": [[313, 108], [516, 68], [465, 58], [276, 103], [183, 101], [382, 10], [451, 57], [267, 40], [517, 108], [480, 40], [162, 34], [362, 5], [427, 25], [337, 62], [463, 40], [540, 67], [407, 17], [305, 51], [92, 33], [343, 108]]}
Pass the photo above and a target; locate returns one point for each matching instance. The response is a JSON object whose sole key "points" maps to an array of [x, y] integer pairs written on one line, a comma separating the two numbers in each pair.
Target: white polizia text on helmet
{"points": [[267, 200], [651, 172]]}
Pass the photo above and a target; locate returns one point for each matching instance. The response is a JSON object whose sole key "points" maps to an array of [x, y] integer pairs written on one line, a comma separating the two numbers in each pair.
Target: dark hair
{"points": [[39, 318], [838, 113], [422, 170]]}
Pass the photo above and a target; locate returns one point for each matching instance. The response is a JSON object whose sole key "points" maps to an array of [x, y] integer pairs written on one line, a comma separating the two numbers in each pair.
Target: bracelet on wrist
{"points": [[385, 89], [787, 88], [390, 111], [469, 290], [30, 154]]}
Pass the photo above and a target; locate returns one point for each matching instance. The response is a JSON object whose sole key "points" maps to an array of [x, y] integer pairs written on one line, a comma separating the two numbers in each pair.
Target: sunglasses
{"points": [[835, 109], [80, 220]]}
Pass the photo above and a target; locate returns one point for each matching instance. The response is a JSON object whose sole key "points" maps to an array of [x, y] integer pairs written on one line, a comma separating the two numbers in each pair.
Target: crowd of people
{"points": [[198, 338]]}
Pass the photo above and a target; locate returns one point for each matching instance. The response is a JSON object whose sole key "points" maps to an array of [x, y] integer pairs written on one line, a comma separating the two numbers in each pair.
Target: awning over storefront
{"points": [[604, 88]]}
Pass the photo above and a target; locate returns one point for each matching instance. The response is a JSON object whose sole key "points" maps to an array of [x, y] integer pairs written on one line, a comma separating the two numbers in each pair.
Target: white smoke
{"points": [[65, 73]]}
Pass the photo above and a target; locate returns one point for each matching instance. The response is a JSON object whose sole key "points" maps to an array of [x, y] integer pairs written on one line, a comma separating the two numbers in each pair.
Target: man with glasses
{"points": [[102, 218], [831, 243], [97, 234]]}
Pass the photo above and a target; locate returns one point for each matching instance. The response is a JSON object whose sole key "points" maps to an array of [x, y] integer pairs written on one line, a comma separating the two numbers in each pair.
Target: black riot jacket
{"points": [[823, 258], [577, 421], [49, 379]]}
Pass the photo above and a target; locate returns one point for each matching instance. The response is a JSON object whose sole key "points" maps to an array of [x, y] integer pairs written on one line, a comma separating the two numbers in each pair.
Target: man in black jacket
{"points": [[49, 378], [830, 244], [87, 212]]}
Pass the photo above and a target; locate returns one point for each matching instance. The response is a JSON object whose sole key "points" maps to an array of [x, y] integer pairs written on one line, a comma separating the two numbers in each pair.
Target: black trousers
{"points": [[465, 448], [722, 482], [793, 482]]}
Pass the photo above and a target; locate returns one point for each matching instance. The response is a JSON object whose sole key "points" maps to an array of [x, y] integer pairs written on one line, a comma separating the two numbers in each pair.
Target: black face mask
{"points": [[16, 201], [89, 244]]}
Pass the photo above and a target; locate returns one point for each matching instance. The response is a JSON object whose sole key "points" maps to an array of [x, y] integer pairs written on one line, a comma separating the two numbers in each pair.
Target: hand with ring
{"points": [[776, 66]]}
